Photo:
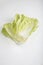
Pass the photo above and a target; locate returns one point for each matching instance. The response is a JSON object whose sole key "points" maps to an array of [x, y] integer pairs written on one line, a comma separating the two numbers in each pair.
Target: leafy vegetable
{"points": [[20, 28]]}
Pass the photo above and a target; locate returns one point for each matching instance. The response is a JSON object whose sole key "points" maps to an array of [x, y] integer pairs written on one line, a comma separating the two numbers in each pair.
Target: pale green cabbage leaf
{"points": [[20, 28]]}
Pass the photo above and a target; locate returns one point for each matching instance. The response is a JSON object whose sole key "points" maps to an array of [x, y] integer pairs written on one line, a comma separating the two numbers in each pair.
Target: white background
{"points": [[31, 52]]}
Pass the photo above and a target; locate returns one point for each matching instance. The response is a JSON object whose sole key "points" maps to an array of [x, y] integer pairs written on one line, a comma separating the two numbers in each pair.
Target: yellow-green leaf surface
{"points": [[20, 27]]}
